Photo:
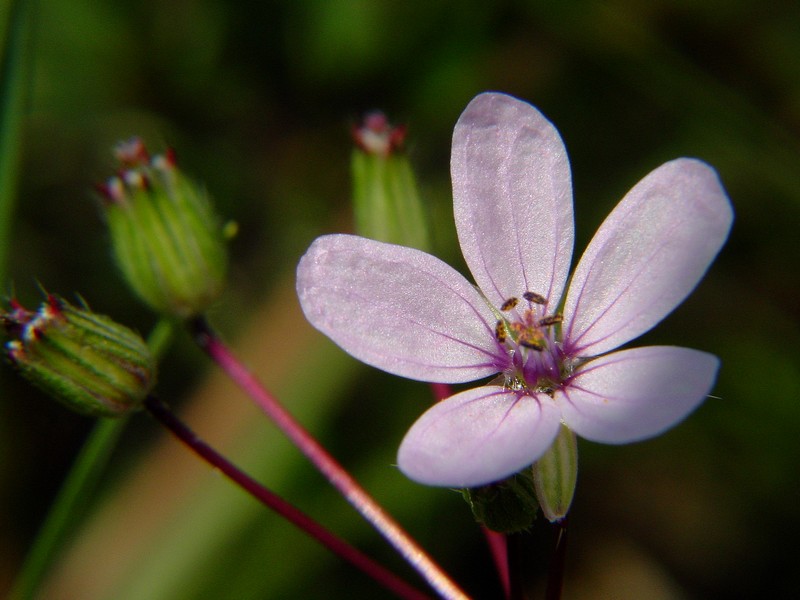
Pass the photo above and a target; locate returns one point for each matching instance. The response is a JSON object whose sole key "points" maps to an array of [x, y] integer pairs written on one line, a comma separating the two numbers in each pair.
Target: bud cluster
{"points": [[166, 238], [86, 361]]}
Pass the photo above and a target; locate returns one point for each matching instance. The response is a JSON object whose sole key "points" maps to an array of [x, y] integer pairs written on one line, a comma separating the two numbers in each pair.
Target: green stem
{"points": [[80, 482], [78, 486], [14, 84]]}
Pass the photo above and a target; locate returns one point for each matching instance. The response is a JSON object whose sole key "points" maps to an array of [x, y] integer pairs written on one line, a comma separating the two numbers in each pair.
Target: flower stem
{"points": [[15, 86], [325, 463], [386, 578], [499, 549]]}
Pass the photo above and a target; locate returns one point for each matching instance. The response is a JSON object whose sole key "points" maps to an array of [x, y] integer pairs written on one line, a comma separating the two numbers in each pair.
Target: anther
{"points": [[551, 320], [509, 304], [532, 344], [534, 297], [500, 332]]}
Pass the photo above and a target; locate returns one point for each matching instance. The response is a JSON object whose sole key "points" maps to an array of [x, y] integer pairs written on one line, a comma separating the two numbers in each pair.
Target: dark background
{"points": [[257, 98]]}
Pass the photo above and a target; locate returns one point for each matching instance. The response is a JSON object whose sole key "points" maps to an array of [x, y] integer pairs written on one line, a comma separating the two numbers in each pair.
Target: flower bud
{"points": [[507, 506], [166, 238], [555, 475], [86, 361], [385, 196]]}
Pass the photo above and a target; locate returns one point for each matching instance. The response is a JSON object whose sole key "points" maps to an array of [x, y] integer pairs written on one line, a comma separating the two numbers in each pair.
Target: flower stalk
{"points": [[408, 548], [162, 413]]}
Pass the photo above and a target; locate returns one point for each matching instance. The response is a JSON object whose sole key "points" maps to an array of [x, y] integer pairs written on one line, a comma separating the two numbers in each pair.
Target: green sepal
{"points": [[555, 475]]}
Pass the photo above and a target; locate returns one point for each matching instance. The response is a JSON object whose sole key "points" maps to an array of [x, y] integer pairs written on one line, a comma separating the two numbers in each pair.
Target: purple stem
{"points": [[383, 576], [495, 540], [325, 463]]}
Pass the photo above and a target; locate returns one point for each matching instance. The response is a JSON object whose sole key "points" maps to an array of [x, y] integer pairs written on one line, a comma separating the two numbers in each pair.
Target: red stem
{"points": [[325, 463], [336, 545], [495, 540], [499, 549]]}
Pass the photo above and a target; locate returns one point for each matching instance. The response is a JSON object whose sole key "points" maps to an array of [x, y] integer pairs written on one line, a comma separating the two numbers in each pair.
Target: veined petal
{"points": [[647, 256], [636, 394], [478, 437], [398, 309], [512, 198]]}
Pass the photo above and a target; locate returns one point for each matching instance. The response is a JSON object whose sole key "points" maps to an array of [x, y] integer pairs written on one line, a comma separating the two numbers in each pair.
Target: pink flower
{"points": [[408, 313]]}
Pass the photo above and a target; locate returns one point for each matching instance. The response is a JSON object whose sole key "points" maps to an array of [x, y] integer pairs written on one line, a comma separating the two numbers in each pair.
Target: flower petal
{"points": [[477, 437], [512, 197], [398, 309], [636, 394], [647, 256]]}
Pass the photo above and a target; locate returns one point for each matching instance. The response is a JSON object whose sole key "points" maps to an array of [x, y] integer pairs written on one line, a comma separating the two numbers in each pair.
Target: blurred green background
{"points": [[257, 98]]}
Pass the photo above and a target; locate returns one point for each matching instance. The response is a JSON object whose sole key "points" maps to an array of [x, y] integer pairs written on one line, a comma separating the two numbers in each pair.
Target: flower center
{"points": [[529, 335]]}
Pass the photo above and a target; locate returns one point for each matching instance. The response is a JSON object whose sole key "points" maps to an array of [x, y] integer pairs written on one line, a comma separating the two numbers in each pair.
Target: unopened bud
{"points": [[555, 475], [507, 506], [385, 196], [86, 361], [166, 238]]}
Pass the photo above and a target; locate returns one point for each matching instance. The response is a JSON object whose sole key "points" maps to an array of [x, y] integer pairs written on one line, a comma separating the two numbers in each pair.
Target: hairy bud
{"points": [[86, 361], [166, 238]]}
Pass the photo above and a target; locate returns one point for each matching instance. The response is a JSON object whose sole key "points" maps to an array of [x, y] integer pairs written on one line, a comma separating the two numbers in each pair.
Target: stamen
{"points": [[551, 320], [500, 332], [534, 297], [509, 304], [531, 343]]}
